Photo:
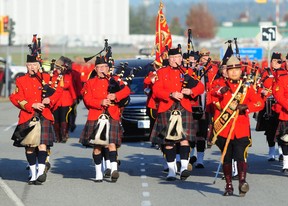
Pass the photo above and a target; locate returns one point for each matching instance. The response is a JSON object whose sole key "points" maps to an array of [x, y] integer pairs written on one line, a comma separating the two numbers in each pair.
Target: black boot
{"points": [[227, 169], [243, 185]]}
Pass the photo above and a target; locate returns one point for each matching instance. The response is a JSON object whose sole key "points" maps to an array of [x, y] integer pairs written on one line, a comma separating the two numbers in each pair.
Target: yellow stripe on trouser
{"points": [[67, 115], [151, 113], [246, 149]]}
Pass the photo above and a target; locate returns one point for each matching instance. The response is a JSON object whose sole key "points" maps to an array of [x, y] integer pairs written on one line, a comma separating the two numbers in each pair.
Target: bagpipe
{"points": [[265, 116], [252, 74], [117, 81], [115, 84], [190, 82], [203, 69], [189, 45], [35, 50]]}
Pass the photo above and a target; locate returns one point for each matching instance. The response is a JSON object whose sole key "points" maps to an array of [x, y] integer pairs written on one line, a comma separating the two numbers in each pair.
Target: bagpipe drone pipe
{"points": [[35, 50], [117, 82]]}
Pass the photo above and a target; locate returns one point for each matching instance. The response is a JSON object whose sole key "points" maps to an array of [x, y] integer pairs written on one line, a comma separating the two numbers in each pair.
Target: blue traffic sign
{"points": [[251, 53]]}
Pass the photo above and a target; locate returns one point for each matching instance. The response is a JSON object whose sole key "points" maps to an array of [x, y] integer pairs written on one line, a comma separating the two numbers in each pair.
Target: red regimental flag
{"points": [[163, 37]]}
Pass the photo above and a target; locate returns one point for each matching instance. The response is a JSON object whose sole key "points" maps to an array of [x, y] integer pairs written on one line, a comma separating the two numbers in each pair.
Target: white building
{"points": [[83, 22]]}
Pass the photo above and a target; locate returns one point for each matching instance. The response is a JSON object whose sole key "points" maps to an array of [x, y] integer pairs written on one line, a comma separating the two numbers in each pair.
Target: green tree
{"points": [[153, 24], [175, 27], [139, 21], [202, 23]]}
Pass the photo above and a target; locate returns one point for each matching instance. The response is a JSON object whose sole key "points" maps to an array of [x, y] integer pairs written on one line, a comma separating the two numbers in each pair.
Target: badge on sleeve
{"points": [[277, 88]]}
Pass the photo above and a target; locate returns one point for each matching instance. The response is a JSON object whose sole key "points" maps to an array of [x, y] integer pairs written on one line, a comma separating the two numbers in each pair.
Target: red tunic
{"points": [[171, 80], [77, 84], [242, 126], [94, 91], [29, 91], [267, 84], [69, 95], [151, 100], [280, 93]]}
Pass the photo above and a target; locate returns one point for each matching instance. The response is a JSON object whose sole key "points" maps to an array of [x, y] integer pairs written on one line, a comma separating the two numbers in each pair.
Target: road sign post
{"points": [[269, 33], [269, 38]]}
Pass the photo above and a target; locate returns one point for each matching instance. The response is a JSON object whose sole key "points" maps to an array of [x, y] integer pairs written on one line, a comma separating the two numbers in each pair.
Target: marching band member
{"points": [[206, 72], [235, 129], [28, 97], [174, 103], [77, 84], [268, 118], [193, 58], [100, 102], [152, 102], [280, 93], [68, 98]]}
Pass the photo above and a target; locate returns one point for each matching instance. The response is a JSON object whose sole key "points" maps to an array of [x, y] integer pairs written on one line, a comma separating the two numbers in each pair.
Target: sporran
{"points": [[100, 135], [175, 128], [32, 139]]}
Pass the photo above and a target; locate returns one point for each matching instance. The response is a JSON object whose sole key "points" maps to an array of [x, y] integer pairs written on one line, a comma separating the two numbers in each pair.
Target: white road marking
{"points": [[145, 203], [10, 193], [146, 194]]}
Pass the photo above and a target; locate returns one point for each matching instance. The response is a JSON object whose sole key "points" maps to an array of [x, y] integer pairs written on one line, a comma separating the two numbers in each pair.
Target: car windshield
{"points": [[137, 85]]}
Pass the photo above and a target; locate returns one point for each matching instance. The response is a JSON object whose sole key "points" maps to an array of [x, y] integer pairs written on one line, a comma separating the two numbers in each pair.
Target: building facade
{"points": [[83, 22]]}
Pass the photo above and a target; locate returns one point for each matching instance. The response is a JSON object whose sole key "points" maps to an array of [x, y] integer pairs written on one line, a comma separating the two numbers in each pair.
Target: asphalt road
{"points": [[142, 181]]}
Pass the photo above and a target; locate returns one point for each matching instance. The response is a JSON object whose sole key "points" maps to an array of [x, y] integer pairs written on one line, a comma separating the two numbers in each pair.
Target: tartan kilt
{"points": [[115, 132], [281, 130], [47, 132], [190, 126]]}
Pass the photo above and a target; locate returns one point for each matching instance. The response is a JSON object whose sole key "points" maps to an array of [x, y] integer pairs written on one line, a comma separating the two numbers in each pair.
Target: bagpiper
{"points": [[206, 71], [34, 131], [175, 121], [280, 93], [268, 118], [103, 127]]}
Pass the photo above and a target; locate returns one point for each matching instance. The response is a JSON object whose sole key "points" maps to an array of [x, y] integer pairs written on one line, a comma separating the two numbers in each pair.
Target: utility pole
{"points": [[277, 15]]}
